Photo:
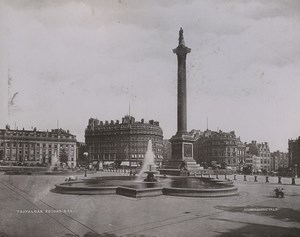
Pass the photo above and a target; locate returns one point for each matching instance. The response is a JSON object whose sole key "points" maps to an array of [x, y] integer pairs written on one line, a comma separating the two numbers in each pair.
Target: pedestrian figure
{"points": [[279, 192], [71, 178]]}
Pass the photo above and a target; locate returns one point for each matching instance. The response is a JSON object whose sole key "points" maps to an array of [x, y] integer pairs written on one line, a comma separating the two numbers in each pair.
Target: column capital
{"points": [[181, 50]]}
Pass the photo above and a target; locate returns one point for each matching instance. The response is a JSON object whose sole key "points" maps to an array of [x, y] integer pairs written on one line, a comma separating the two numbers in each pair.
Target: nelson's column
{"points": [[182, 142]]}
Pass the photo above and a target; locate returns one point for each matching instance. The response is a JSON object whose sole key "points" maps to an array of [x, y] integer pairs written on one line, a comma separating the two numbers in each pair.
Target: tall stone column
{"points": [[182, 142], [181, 51]]}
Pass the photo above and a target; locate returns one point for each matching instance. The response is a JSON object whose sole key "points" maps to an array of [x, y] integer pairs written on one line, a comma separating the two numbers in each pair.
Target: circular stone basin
{"points": [[131, 186]]}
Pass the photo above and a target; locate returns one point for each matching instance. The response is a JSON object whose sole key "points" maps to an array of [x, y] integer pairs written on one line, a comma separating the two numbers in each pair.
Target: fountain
{"points": [[149, 162], [150, 186], [54, 167], [53, 162], [150, 176]]}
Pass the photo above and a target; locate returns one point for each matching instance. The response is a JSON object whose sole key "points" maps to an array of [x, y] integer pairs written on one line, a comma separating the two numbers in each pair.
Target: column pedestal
{"points": [[182, 156]]}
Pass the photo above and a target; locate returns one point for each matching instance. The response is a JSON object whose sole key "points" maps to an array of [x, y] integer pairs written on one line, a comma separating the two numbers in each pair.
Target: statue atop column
{"points": [[181, 39]]}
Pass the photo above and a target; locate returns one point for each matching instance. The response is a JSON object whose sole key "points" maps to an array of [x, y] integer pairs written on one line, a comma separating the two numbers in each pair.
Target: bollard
{"points": [[234, 177], [279, 179], [267, 179], [255, 178], [217, 176], [293, 181], [225, 176], [245, 177]]}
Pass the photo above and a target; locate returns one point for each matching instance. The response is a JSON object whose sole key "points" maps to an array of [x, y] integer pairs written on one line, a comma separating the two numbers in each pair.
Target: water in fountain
{"points": [[53, 162], [148, 162]]}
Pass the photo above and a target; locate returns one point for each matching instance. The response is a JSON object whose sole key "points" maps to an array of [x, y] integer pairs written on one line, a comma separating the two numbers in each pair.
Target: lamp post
{"points": [[85, 154], [295, 170]]}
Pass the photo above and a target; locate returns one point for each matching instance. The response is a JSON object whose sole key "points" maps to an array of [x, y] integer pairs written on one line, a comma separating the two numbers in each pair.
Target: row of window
{"points": [[49, 152], [113, 137], [231, 161], [219, 154], [217, 143], [115, 144], [227, 149], [257, 161], [139, 149], [265, 154], [13, 151], [39, 135], [44, 145], [125, 126], [114, 156], [29, 157]]}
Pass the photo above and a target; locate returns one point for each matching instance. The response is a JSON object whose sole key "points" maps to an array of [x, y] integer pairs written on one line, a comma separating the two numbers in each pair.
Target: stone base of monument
{"points": [[174, 168], [139, 193], [172, 172]]}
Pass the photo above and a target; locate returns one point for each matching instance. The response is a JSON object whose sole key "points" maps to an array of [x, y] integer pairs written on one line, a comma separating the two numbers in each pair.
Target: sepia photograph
{"points": [[162, 118]]}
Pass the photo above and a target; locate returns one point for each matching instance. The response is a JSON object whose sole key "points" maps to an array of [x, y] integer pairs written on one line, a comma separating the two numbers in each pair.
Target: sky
{"points": [[67, 61]]}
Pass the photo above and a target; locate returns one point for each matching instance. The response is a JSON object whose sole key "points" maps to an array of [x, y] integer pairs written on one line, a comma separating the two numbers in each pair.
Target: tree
{"points": [[247, 169], [118, 163], [1, 155], [81, 158], [63, 155], [264, 171], [223, 165], [205, 165]]}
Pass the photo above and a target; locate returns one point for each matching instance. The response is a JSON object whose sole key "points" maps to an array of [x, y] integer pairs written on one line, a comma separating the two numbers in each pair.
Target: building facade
{"points": [[167, 151], [125, 143], [217, 147], [294, 155], [253, 161], [258, 155], [34, 147], [279, 160]]}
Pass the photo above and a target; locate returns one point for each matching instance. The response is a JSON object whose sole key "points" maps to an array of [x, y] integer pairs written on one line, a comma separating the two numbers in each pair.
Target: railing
{"points": [[22, 168], [253, 178]]}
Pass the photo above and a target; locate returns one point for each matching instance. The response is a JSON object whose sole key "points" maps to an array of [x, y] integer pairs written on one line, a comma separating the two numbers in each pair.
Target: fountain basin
{"points": [[131, 187], [67, 188], [188, 192], [139, 193]]}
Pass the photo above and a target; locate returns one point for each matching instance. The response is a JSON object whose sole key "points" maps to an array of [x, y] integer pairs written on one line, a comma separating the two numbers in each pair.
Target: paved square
{"points": [[29, 208]]}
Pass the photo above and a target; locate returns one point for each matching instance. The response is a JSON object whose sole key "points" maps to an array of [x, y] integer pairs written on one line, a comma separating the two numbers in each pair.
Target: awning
{"points": [[125, 163], [134, 165], [108, 162]]}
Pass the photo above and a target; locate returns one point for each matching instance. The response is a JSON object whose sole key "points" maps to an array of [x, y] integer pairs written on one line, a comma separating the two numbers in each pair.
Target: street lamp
{"points": [[85, 154]]}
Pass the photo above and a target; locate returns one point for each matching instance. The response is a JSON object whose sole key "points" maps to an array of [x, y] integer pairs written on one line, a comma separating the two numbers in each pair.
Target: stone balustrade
{"points": [[255, 178], [235, 177]]}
